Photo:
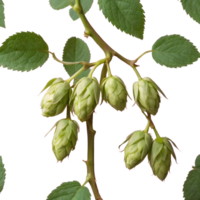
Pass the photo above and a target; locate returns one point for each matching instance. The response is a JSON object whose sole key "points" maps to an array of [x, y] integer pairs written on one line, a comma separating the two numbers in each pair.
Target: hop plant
{"points": [[56, 98], [85, 97], [137, 148], [65, 138], [146, 95], [114, 92], [160, 157]]}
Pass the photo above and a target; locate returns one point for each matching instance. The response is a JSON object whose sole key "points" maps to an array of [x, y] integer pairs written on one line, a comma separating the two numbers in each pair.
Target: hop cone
{"points": [[160, 157], [114, 92], [137, 148], [146, 96], [85, 97], [65, 137], [56, 98]]}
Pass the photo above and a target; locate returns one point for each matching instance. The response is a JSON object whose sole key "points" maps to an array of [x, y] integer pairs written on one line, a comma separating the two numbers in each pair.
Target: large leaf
{"points": [[70, 191], [197, 162], [2, 174], [191, 185], [174, 51], [192, 7], [24, 51], [60, 4], [76, 50], [86, 5], [126, 15], [2, 17]]}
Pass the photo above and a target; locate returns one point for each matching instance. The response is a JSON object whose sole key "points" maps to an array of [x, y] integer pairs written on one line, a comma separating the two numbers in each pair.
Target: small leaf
{"points": [[60, 4], [86, 5], [76, 50], [126, 15], [174, 51], [70, 191], [192, 7], [197, 162], [2, 16], [2, 174], [23, 51]]}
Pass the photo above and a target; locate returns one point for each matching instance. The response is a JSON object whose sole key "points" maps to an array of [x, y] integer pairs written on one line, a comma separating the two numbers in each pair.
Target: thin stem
{"points": [[87, 180], [136, 72], [68, 112], [90, 161], [89, 31], [108, 68], [96, 65], [142, 55], [156, 133], [76, 74], [146, 130]]}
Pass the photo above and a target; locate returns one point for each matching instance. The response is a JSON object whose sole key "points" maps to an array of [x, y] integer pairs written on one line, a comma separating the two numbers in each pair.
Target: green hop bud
{"points": [[137, 148], [56, 98], [160, 157], [85, 97], [146, 96], [114, 92], [65, 137]]}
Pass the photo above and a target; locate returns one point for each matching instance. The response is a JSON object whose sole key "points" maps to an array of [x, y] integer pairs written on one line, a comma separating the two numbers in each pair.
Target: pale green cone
{"points": [[65, 138], [56, 98], [137, 148], [85, 97], [160, 157], [146, 95], [114, 92]]}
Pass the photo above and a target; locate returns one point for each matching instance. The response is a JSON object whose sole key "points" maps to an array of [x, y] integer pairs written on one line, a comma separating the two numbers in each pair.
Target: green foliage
{"points": [[76, 49], [191, 185], [3, 15], [3, 174], [197, 162], [56, 5], [27, 51], [191, 8], [174, 51], [87, 7], [24, 51], [128, 16], [69, 190]]}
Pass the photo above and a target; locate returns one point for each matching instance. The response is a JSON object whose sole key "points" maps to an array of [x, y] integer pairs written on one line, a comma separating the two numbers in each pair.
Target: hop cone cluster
{"points": [[65, 137], [160, 157], [137, 148], [56, 98], [146, 95], [85, 97], [114, 92]]}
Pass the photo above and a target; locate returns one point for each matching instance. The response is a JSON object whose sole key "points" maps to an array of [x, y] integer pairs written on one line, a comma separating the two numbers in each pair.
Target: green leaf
{"points": [[197, 161], [86, 5], [23, 51], [126, 15], [70, 191], [2, 17], [2, 174], [192, 7], [60, 4], [174, 51], [76, 50], [191, 186]]}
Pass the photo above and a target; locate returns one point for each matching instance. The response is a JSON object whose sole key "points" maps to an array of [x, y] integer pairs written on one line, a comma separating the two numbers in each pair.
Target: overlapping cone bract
{"points": [[114, 92], [85, 97], [137, 148], [146, 96], [56, 98], [65, 138], [160, 157]]}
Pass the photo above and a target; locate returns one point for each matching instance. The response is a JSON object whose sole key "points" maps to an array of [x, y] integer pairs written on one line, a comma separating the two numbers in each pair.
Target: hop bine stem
{"points": [[146, 130], [90, 161], [137, 73], [96, 65]]}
